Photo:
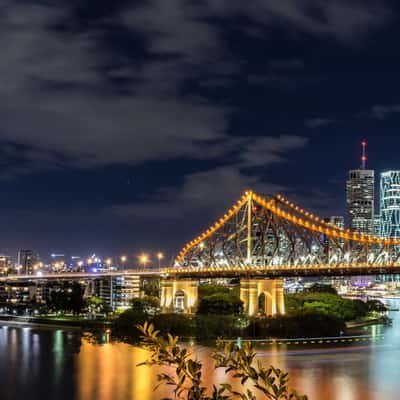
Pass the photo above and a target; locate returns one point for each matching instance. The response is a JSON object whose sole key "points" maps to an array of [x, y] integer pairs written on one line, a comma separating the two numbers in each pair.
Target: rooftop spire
{"points": [[363, 155]]}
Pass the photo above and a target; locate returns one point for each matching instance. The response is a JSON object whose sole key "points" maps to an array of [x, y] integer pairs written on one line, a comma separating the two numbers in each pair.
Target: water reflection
{"points": [[63, 365]]}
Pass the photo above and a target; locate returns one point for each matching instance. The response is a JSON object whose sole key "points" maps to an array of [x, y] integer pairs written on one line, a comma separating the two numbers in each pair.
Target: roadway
{"points": [[283, 271], [273, 272], [79, 275]]}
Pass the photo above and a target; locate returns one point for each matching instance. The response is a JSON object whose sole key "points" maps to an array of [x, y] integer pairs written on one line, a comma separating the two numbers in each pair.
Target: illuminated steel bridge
{"points": [[270, 236]]}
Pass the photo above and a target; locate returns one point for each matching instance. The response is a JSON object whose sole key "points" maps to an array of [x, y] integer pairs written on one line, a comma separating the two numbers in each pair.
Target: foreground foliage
{"points": [[187, 381]]}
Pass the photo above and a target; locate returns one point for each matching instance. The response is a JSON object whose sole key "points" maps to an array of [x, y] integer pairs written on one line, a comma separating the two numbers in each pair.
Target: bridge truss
{"points": [[271, 233]]}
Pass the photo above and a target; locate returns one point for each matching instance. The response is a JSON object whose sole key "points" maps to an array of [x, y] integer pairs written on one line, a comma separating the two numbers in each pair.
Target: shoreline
{"points": [[52, 323], [329, 341], [361, 323], [92, 325], [22, 324]]}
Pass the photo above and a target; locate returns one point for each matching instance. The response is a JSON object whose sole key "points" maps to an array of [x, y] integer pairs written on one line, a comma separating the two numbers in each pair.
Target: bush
{"points": [[307, 324], [178, 324], [326, 303], [206, 327], [123, 326], [321, 288], [212, 326], [221, 304], [208, 289], [376, 305], [145, 304]]}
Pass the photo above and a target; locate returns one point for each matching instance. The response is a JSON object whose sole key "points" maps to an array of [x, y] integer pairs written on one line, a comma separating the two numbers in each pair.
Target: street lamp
{"points": [[160, 256], [123, 261], [108, 262], [144, 259]]}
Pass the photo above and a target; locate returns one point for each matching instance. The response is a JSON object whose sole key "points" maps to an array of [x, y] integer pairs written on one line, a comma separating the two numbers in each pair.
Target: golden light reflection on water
{"points": [[74, 368], [110, 372]]}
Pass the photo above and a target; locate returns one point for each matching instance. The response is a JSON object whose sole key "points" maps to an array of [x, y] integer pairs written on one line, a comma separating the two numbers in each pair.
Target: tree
{"points": [[58, 301], [145, 304], [67, 298], [208, 289], [220, 303], [97, 304], [326, 302], [187, 382], [376, 305], [151, 287], [321, 288], [76, 301]]}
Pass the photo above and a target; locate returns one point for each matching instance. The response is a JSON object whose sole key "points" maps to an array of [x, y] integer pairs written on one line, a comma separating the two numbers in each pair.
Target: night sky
{"points": [[132, 125]]}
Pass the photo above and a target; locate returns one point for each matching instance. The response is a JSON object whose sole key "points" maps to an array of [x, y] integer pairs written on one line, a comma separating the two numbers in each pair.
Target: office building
{"points": [[377, 225], [336, 221], [5, 265], [360, 197], [27, 261], [117, 291], [390, 204]]}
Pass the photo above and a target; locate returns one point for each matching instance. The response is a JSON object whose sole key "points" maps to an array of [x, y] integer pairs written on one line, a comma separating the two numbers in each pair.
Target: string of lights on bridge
{"points": [[310, 222], [286, 270]]}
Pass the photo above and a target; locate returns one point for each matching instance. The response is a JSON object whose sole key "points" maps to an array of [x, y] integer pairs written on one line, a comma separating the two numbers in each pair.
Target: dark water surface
{"points": [[61, 365]]}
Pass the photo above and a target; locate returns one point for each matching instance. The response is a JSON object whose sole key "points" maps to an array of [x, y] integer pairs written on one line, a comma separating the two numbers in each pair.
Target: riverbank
{"points": [[55, 322], [368, 322], [211, 327]]}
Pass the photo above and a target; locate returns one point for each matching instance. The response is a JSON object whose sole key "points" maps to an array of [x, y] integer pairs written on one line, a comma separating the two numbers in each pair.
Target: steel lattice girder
{"points": [[272, 232]]}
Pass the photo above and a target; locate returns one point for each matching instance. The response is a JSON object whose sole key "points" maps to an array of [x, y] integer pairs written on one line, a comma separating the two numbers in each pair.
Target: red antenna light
{"points": [[364, 155]]}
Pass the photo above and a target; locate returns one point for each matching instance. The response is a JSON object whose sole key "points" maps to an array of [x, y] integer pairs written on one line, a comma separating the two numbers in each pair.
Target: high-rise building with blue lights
{"points": [[390, 204]]}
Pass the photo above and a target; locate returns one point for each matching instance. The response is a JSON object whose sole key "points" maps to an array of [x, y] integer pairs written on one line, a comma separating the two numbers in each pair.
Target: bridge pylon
{"points": [[179, 295], [262, 296]]}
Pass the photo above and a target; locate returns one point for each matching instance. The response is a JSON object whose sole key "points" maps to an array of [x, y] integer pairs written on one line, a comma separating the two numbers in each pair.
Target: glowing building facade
{"points": [[337, 221], [360, 200], [360, 196], [27, 259], [377, 225], [390, 204]]}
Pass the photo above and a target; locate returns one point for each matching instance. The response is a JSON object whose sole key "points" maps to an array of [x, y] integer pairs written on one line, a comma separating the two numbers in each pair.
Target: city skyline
{"points": [[113, 136], [200, 199]]}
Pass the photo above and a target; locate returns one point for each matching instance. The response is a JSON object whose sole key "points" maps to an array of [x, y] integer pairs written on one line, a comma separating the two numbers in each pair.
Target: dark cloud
{"points": [[318, 122], [341, 20], [208, 190], [286, 64], [381, 112], [58, 80], [200, 195]]}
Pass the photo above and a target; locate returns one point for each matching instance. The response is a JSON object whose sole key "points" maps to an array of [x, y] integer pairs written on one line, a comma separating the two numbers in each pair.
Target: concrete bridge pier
{"points": [[182, 296], [179, 295], [272, 291]]}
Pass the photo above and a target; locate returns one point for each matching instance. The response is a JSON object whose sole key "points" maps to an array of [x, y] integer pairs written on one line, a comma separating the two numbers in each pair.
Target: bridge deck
{"points": [[79, 275], [283, 272]]}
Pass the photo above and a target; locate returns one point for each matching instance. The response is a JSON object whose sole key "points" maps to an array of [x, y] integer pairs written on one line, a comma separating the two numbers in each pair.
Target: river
{"points": [[61, 365]]}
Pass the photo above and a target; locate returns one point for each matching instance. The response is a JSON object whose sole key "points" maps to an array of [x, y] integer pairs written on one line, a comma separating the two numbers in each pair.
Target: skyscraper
{"points": [[377, 225], [337, 221], [390, 204], [27, 259], [5, 264], [360, 197]]}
